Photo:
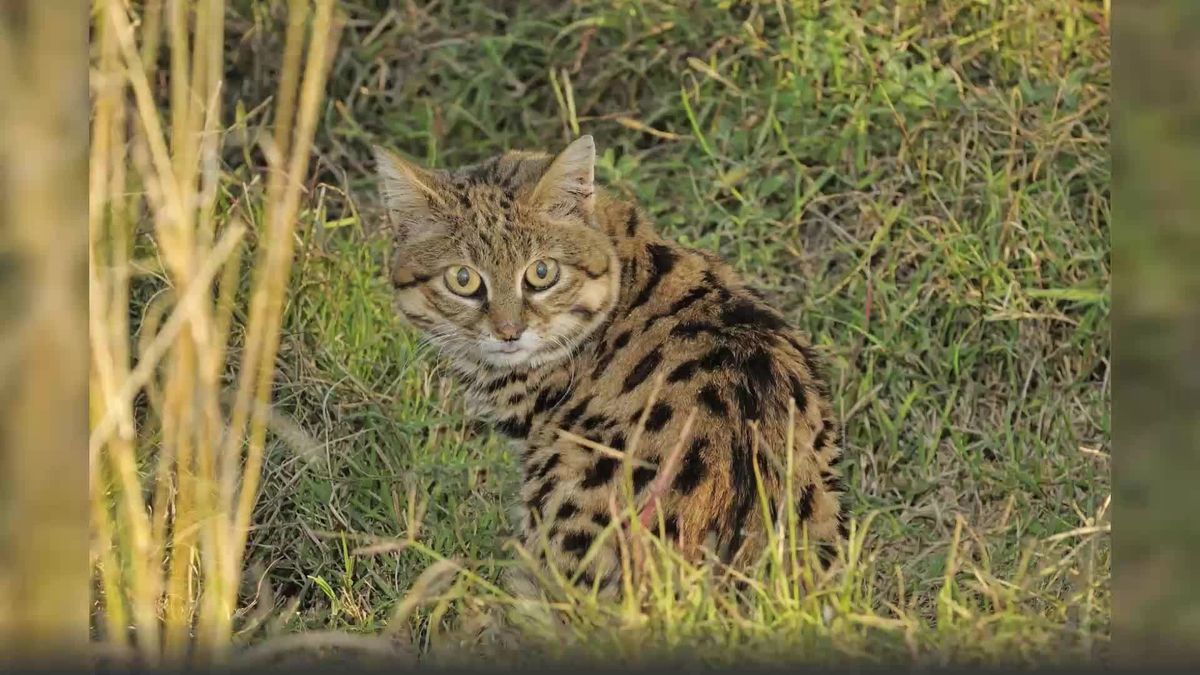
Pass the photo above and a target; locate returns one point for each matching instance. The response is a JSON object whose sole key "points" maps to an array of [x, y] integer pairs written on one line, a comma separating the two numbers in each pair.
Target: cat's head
{"points": [[501, 262]]}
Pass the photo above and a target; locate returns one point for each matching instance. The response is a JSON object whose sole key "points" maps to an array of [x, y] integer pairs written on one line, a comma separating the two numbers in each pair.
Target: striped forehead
{"points": [[505, 173], [498, 248], [480, 201]]}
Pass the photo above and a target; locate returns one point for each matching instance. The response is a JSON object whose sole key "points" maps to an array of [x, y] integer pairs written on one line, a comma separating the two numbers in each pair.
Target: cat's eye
{"points": [[462, 280], [542, 274]]}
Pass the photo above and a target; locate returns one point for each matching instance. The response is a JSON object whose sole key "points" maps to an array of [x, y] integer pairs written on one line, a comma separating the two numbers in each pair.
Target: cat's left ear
{"points": [[408, 194], [568, 184]]}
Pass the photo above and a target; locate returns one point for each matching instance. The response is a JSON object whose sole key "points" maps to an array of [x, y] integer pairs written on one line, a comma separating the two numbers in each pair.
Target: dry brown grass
{"points": [[43, 348], [172, 492]]}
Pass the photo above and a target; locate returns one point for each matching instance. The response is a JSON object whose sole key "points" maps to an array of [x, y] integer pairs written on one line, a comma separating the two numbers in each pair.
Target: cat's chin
{"points": [[526, 358], [510, 354], [529, 358], [507, 359]]}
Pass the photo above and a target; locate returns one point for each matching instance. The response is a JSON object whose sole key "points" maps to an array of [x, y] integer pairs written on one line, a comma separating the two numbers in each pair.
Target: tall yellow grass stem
{"points": [[274, 267], [170, 572], [43, 354]]}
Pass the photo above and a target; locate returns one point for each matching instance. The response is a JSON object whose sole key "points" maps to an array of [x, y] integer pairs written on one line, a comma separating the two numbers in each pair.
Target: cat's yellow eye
{"points": [[542, 274], [462, 280]]}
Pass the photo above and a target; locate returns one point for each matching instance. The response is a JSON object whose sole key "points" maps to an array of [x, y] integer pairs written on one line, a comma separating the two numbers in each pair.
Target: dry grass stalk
{"points": [[43, 141], [171, 572]]}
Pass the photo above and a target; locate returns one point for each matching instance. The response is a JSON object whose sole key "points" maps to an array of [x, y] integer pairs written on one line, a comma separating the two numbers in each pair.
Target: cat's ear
{"points": [[568, 183], [408, 194]]}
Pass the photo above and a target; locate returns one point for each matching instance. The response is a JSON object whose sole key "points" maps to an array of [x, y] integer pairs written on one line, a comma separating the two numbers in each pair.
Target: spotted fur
{"points": [[629, 309]]}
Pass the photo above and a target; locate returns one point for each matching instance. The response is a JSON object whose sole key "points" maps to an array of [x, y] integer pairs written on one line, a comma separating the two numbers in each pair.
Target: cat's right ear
{"points": [[569, 182], [408, 195]]}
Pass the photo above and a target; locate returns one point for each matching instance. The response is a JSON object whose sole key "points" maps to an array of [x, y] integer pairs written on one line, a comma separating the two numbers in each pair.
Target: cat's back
{"points": [[715, 350]]}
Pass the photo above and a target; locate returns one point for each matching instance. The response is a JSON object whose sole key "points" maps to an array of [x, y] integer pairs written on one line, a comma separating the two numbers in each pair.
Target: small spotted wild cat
{"points": [[559, 307]]}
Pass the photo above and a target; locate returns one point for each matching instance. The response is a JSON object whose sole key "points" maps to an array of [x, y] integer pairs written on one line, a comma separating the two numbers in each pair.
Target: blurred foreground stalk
{"points": [[1156, 386], [43, 349], [173, 481]]}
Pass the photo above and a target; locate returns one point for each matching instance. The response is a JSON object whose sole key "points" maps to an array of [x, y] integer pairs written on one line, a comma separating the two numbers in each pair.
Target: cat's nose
{"points": [[508, 330]]}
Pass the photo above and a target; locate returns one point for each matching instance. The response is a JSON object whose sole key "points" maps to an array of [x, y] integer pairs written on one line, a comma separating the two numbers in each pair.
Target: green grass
{"points": [[923, 187]]}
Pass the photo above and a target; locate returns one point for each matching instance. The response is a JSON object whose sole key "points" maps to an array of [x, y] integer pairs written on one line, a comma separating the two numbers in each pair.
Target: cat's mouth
{"points": [[508, 353], [507, 356]]}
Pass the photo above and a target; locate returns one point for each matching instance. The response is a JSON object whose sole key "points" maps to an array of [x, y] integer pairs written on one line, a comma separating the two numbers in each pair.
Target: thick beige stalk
{"points": [[43, 337]]}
